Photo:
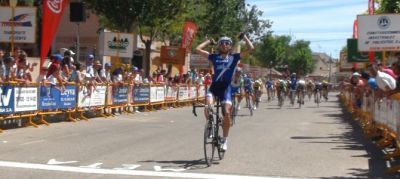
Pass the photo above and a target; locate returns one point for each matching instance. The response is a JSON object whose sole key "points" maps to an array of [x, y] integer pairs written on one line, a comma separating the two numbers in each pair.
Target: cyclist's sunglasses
{"points": [[225, 42]]}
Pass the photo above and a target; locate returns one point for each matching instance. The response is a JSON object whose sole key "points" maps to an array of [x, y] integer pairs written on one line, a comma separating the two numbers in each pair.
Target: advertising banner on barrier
{"points": [[97, 98], [6, 99], [141, 94], [202, 91], [183, 93], [170, 93], [193, 92], [25, 99], [157, 94], [52, 98], [121, 95]]}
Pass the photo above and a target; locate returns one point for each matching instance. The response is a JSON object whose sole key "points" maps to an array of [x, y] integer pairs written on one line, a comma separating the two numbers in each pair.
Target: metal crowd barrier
{"points": [[379, 119], [31, 101]]}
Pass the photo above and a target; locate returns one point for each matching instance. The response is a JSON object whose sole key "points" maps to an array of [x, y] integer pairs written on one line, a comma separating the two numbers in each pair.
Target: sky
{"points": [[325, 23]]}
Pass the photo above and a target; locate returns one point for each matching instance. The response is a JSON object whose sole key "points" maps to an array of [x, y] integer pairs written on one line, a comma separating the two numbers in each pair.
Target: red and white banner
{"points": [[371, 7], [355, 29], [189, 32], [52, 13]]}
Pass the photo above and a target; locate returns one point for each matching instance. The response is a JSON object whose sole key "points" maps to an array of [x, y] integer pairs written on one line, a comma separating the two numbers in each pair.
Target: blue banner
{"points": [[68, 98], [141, 94], [6, 99], [121, 95], [52, 98]]}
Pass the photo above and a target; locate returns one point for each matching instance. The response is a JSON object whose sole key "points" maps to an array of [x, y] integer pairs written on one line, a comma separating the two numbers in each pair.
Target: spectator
{"points": [[97, 71], [67, 64], [89, 65], [54, 72], [105, 74], [9, 69], [384, 81], [24, 68]]}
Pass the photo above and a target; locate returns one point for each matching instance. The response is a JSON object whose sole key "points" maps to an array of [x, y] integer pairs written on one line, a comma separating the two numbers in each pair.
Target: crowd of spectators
{"points": [[379, 79], [63, 69], [15, 67]]}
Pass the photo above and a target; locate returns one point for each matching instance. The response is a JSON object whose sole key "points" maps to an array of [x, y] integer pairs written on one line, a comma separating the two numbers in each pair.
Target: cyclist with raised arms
{"points": [[224, 64]]}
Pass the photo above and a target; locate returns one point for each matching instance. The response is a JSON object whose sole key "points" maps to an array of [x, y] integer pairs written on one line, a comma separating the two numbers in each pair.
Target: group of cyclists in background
{"points": [[244, 86]]}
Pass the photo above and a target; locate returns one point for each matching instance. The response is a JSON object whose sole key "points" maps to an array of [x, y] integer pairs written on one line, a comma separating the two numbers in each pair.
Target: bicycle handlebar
{"points": [[194, 106]]}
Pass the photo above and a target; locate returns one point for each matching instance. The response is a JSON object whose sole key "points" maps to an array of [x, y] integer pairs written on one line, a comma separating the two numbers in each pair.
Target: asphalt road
{"points": [[290, 142]]}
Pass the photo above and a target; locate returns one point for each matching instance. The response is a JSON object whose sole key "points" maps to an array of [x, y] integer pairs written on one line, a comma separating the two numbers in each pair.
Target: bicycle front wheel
{"points": [[221, 153], [209, 142]]}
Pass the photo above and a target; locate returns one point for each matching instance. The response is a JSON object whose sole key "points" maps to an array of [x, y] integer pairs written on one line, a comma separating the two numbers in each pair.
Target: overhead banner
{"points": [[173, 55], [116, 44], [52, 13], [199, 62], [379, 32], [353, 55], [24, 23]]}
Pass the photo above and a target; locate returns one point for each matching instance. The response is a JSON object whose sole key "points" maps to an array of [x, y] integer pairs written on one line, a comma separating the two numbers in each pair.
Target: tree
{"points": [[300, 60], [272, 50], [147, 18], [388, 6]]}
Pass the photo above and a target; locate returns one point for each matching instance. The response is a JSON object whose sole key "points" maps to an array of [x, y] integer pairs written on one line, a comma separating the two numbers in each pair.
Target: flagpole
{"points": [[13, 4]]}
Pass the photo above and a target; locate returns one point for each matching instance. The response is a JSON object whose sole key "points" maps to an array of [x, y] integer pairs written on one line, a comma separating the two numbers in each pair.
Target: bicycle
{"points": [[234, 109], [301, 98], [317, 97], [258, 97], [280, 99], [292, 96], [212, 132], [249, 102]]}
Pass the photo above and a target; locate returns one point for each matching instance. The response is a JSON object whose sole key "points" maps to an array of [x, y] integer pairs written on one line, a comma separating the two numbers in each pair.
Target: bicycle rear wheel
{"points": [[209, 142]]}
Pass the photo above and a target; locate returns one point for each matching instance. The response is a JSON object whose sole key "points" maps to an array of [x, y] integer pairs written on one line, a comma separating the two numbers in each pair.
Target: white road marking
{"points": [[32, 142], [123, 172], [128, 167], [159, 169], [55, 162], [95, 165]]}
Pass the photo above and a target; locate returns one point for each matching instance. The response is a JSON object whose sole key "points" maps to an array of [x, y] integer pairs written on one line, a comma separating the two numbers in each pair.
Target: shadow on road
{"points": [[186, 164], [352, 139]]}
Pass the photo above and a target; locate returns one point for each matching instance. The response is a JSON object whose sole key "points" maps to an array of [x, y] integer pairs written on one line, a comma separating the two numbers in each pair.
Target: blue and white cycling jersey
{"points": [[224, 69], [268, 85], [293, 83], [248, 84]]}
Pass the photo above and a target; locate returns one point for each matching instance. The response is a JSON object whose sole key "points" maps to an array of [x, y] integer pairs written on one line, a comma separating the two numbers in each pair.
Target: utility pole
{"points": [[330, 67]]}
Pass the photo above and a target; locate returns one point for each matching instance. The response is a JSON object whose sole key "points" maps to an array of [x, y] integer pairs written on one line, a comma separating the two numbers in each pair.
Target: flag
{"points": [[189, 32], [52, 13], [355, 29], [371, 7]]}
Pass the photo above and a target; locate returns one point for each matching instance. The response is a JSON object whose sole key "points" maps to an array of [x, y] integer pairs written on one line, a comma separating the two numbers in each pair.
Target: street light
{"points": [[13, 4]]}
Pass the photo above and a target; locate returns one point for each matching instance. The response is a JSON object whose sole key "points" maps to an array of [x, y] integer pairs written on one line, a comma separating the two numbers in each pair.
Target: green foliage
{"points": [[388, 6], [300, 60], [273, 51]]}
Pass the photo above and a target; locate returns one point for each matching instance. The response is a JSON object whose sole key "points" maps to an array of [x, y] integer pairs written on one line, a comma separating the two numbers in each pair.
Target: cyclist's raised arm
{"points": [[200, 51], [249, 49]]}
